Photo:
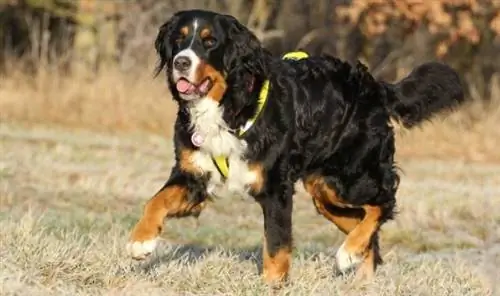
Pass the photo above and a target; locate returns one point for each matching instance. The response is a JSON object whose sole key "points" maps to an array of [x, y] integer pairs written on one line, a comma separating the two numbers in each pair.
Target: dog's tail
{"points": [[429, 89]]}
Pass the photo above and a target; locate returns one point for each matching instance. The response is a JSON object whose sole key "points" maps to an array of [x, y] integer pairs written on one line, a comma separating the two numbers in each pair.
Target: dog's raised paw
{"points": [[141, 250]]}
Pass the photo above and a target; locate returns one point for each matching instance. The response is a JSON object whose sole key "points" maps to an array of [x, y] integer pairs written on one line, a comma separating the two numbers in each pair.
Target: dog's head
{"points": [[205, 53]]}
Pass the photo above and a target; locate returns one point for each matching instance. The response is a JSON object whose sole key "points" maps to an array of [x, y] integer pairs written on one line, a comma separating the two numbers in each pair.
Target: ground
{"points": [[69, 197]]}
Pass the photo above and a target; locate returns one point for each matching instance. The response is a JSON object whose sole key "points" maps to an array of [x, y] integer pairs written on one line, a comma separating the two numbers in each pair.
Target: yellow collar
{"points": [[264, 91], [221, 161], [261, 101]]}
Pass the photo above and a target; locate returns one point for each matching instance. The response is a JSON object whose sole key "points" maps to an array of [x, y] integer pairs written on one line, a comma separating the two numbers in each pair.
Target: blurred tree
{"points": [[40, 31], [391, 37]]}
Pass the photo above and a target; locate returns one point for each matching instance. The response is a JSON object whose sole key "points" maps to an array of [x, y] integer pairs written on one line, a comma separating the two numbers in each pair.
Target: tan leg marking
{"points": [[276, 268], [355, 248], [322, 195], [344, 223], [317, 187], [359, 239], [170, 201]]}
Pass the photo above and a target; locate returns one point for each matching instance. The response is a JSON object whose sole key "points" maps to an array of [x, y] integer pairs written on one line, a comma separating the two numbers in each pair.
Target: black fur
{"points": [[428, 89], [323, 117]]}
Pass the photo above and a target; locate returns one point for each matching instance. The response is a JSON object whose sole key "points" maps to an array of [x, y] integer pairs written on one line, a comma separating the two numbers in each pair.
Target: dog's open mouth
{"points": [[187, 88]]}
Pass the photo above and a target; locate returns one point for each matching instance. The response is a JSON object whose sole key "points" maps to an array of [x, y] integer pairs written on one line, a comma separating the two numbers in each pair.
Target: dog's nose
{"points": [[182, 63]]}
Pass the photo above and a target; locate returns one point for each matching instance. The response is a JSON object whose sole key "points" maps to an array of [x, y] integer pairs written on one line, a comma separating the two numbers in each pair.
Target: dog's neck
{"points": [[241, 103], [215, 125], [210, 132]]}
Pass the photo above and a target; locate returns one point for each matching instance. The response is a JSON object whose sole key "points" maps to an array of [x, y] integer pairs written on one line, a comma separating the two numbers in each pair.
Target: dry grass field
{"points": [[79, 158]]}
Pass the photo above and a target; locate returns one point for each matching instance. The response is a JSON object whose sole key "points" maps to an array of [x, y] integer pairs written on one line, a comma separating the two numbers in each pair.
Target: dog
{"points": [[251, 124]]}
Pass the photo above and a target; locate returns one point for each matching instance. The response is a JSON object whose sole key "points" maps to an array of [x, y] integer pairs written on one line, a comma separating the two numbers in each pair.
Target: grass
{"points": [[68, 200], [79, 157]]}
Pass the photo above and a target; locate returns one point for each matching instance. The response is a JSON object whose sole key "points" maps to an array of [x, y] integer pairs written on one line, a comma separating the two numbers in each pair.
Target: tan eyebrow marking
{"points": [[184, 30], [205, 33]]}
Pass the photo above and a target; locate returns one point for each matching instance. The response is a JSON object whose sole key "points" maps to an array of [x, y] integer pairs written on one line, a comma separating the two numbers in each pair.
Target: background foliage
{"points": [[390, 36]]}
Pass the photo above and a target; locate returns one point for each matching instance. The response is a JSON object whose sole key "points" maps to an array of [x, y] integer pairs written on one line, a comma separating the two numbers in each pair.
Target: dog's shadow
{"points": [[186, 254], [191, 253]]}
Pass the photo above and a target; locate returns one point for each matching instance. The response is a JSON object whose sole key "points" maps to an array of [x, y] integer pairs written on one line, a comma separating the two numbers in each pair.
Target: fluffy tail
{"points": [[429, 89]]}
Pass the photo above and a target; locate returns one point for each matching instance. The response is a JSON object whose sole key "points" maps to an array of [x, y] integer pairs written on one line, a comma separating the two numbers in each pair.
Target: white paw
{"points": [[346, 260], [140, 250]]}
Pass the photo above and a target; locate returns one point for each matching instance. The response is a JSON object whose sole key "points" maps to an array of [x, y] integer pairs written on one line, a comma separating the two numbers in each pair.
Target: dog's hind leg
{"points": [[361, 245], [359, 223]]}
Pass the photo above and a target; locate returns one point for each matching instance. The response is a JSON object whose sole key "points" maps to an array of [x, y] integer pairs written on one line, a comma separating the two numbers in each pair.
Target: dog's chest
{"points": [[238, 180], [215, 139]]}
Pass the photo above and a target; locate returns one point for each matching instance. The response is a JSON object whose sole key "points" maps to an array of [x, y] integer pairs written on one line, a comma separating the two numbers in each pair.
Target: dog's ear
{"points": [[244, 49], [164, 42]]}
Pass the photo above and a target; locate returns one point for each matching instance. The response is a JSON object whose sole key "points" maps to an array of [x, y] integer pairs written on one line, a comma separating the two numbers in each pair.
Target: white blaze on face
{"points": [[188, 53], [190, 74]]}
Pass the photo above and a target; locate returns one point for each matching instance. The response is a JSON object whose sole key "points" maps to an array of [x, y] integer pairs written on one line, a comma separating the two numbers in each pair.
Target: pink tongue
{"points": [[184, 87]]}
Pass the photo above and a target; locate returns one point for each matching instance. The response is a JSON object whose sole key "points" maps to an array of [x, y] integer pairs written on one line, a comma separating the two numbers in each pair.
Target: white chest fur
{"points": [[207, 121]]}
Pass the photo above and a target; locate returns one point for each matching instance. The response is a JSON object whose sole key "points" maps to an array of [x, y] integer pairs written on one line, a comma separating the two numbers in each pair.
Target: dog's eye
{"points": [[209, 42]]}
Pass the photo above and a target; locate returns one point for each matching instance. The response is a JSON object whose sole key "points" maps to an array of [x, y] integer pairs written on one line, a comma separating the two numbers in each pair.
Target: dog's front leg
{"points": [[277, 248], [183, 195]]}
